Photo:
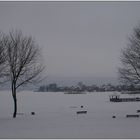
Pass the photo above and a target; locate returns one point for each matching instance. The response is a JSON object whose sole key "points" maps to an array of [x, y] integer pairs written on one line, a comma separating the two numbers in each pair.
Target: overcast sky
{"points": [[77, 38]]}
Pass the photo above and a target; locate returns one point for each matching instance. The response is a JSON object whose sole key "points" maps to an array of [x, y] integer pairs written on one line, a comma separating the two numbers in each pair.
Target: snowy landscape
{"points": [[56, 117], [62, 62]]}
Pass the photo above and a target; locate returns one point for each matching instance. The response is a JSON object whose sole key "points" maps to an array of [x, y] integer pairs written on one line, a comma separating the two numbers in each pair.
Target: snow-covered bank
{"points": [[56, 116]]}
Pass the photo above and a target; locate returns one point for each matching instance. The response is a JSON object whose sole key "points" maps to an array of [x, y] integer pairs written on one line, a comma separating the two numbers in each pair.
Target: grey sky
{"points": [[77, 38]]}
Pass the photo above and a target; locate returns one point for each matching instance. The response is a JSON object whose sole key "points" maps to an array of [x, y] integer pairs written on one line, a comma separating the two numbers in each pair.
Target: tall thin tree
{"points": [[23, 57]]}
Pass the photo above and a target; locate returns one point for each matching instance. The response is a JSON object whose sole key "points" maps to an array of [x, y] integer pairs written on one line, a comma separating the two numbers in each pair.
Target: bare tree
{"points": [[2, 59], [130, 58], [23, 57]]}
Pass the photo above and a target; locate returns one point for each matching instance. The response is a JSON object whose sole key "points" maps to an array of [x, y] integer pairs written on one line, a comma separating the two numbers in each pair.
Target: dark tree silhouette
{"points": [[23, 57], [130, 58]]}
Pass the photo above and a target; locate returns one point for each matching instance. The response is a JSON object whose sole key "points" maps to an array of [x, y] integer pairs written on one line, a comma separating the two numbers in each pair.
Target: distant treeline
{"points": [[82, 87]]}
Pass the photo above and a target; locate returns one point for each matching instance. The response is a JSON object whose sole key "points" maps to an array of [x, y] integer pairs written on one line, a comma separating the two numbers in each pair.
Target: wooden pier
{"points": [[116, 98]]}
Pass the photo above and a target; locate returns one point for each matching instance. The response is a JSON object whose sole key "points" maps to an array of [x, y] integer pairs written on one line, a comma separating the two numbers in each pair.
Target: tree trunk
{"points": [[15, 107], [15, 102]]}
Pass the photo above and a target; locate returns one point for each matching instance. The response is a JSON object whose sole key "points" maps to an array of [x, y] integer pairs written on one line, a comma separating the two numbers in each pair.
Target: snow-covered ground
{"points": [[56, 116]]}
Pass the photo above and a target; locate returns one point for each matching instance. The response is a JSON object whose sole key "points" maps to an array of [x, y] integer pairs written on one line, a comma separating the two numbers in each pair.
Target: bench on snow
{"points": [[132, 116], [81, 112]]}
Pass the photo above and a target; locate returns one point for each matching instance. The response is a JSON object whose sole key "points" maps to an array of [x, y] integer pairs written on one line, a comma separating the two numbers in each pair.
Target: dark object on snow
{"points": [[81, 106], [132, 116], [113, 116], [73, 106], [81, 112], [32, 113], [138, 111]]}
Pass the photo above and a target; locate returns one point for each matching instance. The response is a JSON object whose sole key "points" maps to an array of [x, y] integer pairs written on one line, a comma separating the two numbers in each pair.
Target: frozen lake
{"points": [[56, 116]]}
